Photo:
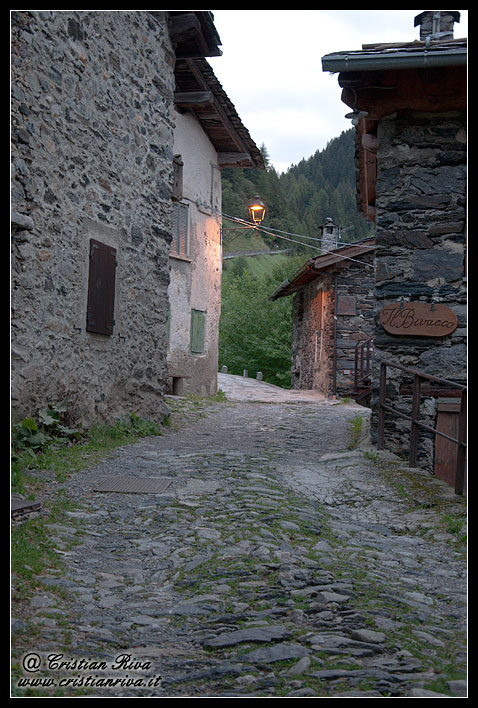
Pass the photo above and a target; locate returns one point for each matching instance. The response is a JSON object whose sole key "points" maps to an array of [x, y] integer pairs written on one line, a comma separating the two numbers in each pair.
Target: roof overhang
{"points": [[415, 55], [390, 79], [328, 262], [193, 34], [199, 92]]}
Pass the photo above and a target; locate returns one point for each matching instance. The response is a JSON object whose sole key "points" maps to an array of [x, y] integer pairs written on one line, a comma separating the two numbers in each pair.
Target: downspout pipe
{"points": [[405, 60]]}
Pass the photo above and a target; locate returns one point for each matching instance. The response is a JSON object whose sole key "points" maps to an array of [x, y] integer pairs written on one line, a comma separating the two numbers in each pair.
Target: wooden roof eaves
{"points": [[312, 269], [242, 150], [325, 260]]}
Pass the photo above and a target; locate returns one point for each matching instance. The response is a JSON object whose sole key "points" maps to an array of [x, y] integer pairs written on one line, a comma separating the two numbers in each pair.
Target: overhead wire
{"points": [[300, 243]]}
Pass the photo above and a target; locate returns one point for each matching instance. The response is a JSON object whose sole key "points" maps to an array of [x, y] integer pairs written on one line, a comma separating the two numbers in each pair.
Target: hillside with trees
{"points": [[255, 333]]}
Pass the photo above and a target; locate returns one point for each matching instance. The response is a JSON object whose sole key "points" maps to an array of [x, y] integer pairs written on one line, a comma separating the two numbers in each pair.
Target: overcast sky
{"points": [[271, 70]]}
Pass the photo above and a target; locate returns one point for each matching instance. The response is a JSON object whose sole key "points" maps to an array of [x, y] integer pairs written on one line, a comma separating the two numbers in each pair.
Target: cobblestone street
{"points": [[284, 559]]}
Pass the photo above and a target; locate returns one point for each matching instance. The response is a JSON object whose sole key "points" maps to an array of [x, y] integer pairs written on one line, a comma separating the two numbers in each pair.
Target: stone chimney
{"points": [[436, 25], [330, 235]]}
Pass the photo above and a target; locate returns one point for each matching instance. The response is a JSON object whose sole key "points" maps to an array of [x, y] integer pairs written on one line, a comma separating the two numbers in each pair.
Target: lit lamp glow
{"points": [[257, 210]]}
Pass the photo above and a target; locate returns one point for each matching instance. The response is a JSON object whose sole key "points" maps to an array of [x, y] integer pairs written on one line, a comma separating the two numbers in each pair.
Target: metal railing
{"points": [[418, 377]]}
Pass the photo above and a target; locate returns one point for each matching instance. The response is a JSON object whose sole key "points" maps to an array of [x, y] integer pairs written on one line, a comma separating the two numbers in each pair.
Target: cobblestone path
{"points": [[278, 563]]}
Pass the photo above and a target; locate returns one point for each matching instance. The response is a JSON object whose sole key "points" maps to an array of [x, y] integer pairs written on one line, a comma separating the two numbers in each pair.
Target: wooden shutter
{"points": [[177, 188], [101, 288], [180, 223], [319, 303], [198, 326]]}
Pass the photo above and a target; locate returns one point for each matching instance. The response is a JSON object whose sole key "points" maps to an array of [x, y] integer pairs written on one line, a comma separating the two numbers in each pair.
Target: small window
{"points": [[180, 230], [198, 328], [101, 288]]}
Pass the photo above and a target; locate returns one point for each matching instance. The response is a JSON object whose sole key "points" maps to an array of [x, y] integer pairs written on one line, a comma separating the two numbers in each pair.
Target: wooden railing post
{"points": [[461, 452], [381, 409], [416, 424], [415, 416]]}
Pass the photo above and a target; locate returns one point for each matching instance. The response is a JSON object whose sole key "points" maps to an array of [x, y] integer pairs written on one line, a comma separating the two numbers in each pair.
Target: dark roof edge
{"points": [[311, 268], [432, 56]]}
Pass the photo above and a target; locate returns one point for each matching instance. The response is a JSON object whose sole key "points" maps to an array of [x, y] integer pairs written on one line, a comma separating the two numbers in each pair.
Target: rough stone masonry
{"points": [[91, 159], [421, 248]]}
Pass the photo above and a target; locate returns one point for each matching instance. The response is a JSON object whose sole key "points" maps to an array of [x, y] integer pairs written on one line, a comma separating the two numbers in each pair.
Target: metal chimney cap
{"points": [[419, 18]]}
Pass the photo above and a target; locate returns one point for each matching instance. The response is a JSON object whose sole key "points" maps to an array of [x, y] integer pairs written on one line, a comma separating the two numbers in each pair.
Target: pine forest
{"points": [[255, 333]]}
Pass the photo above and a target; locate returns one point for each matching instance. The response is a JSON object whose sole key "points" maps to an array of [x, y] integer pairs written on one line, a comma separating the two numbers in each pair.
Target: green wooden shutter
{"points": [[198, 326]]}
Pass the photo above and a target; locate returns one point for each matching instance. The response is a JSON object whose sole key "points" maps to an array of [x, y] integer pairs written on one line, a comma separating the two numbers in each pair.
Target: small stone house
{"points": [[93, 205], [332, 318], [408, 102], [208, 136]]}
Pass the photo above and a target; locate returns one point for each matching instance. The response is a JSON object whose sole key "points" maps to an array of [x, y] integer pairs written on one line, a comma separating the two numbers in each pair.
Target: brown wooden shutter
{"points": [[177, 188], [101, 288]]}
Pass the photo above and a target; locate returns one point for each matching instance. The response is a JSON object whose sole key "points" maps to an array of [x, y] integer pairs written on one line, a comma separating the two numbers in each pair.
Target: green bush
{"points": [[48, 442], [31, 436], [255, 333]]}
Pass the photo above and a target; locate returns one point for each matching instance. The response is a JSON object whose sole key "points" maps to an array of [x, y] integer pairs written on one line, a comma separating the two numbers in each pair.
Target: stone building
{"points": [[408, 103], [92, 172], [332, 316], [208, 136]]}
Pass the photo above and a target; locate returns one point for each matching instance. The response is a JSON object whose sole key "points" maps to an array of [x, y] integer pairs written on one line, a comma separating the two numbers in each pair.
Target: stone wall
{"points": [[312, 328], [195, 280], [420, 252], [354, 321], [91, 159], [318, 345]]}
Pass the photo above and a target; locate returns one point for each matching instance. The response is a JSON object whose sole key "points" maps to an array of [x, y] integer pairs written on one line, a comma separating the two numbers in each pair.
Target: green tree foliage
{"points": [[301, 199], [255, 333]]}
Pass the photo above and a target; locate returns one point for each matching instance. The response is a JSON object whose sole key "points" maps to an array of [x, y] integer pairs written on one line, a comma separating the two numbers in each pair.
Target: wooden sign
{"points": [[418, 319], [346, 305]]}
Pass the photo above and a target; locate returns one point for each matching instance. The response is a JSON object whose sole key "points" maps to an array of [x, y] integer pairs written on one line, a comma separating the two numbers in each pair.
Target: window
{"points": [[180, 230], [198, 327], [101, 288]]}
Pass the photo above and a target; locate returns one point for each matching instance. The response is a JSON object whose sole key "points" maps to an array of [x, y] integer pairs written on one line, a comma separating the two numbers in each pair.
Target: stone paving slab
{"points": [[279, 563], [240, 388]]}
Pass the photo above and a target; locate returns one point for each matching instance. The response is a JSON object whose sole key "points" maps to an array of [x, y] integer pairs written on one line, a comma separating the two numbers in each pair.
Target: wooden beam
{"points": [[190, 38], [184, 27], [232, 132], [191, 99], [233, 159], [436, 90]]}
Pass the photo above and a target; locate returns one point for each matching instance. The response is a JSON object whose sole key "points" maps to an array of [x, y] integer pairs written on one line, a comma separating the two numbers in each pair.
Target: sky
{"points": [[271, 70]]}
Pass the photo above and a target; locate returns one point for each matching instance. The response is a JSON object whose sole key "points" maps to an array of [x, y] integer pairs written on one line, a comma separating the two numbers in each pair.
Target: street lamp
{"points": [[257, 210]]}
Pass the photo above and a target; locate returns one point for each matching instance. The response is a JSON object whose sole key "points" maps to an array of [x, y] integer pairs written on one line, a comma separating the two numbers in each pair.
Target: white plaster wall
{"points": [[195, 282]]}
